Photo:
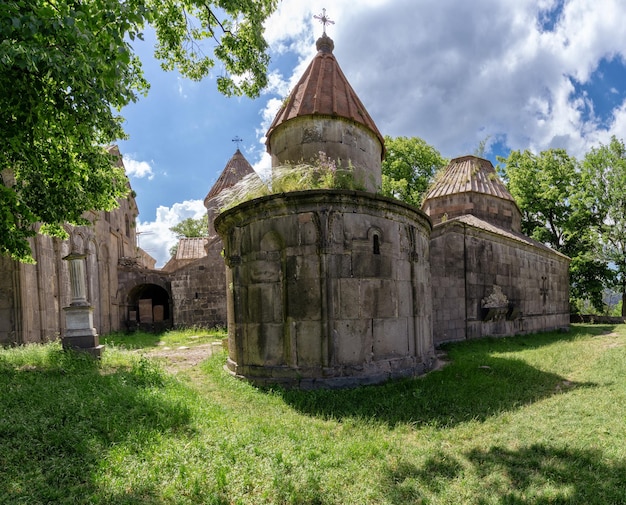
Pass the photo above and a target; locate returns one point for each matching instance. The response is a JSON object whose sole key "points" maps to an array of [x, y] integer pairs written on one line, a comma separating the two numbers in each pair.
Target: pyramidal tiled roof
{"points": [[469, 174], [191, 248], [235, 170], [188, 250], [324, 90]]}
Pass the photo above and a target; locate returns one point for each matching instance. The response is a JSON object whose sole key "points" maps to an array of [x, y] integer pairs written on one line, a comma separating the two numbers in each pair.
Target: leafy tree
{"points": [[604, 193], [189, 228], [546, 188], [542, 186], [409, 168], [66, 69]]}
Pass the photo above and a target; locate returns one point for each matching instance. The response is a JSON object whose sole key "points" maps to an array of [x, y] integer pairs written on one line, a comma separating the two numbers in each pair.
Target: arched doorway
{"points": [[149, 308]]}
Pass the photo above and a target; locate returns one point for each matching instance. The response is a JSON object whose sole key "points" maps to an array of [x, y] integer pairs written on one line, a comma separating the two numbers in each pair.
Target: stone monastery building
{"points": [[333, 288], [121, 281], [321, 288]]}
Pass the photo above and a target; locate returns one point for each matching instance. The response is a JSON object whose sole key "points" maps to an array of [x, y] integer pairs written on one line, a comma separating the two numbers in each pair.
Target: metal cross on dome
{"points": [[324, 19], [237, 140]]}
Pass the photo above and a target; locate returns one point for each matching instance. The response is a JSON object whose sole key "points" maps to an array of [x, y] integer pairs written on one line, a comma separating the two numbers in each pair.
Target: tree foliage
{"points": [[604, 183], [66, 70], [542, 186], [547, 187], [409, 168], [190, 228]]}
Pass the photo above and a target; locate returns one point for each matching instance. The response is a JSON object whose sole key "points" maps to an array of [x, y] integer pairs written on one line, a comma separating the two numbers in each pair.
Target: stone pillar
{"points": [[79, 334], [78, 284]]}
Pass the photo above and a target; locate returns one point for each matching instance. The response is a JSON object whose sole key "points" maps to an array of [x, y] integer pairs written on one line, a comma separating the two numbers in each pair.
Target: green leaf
{"points": [[66, 68]]}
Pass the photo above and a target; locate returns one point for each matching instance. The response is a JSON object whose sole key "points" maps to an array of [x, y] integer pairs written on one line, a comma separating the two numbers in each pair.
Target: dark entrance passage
{"points": [[149, 308]]}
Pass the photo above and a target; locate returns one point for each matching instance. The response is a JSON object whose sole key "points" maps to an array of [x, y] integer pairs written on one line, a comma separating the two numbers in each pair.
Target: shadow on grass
{"points": [[61, 418], [536, 474], [474, 386]]}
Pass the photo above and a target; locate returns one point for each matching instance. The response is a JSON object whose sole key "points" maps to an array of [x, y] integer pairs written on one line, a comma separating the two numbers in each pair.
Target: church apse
{"points": [[327, 287]]}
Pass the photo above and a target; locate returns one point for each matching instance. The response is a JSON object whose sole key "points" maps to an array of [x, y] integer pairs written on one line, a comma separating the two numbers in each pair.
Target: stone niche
{"points": [[327, 288]]}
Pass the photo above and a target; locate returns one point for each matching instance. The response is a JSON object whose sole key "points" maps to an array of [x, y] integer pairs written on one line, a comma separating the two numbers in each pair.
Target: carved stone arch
{"points": [[77, 242], [373, 231], [272, 241], [375, 238], [149, 306]]}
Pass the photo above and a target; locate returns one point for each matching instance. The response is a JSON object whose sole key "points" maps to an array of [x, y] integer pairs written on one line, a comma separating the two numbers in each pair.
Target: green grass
{"points": [[175, 338], [527, 420]]}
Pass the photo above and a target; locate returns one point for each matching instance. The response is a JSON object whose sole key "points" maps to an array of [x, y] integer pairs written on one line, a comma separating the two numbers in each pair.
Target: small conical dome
{"points": [[324, 116], [235, 170], [470, 185], [324, 90]]}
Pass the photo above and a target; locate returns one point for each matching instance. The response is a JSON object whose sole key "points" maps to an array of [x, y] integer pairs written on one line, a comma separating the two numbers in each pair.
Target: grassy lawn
{"points": [[527, 420], [143, 340]]}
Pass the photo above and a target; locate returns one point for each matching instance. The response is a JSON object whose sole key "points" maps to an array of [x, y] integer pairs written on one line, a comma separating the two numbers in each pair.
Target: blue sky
{"points": [[525, 74]]}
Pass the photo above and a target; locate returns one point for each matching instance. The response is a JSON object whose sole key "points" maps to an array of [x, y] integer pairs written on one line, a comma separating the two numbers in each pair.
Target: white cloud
{"points": [[137, 169], [455, 72], [155, 236], [451, 72], [263, 166]]}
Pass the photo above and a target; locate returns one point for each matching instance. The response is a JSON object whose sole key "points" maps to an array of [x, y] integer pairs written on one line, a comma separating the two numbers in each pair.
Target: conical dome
{"points": [[470, 185], [324, 114], [235, 170], [324, 90]]}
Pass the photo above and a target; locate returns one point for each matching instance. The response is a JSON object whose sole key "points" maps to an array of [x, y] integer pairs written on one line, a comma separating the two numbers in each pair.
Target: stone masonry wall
{"points": [[199, 291], [327, 288], [302, 139], [9, 294], [447, 266], [32, 297], [467, 262]]}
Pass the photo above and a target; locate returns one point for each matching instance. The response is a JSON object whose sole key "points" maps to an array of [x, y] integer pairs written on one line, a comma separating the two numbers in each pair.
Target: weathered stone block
{"points": [[304, 266], [265, 303], [405, 298], [264, 345], [352, 341], [390, 337], [264, 271], [349, 302], [371, 265], [303, 299], [309, 343]]}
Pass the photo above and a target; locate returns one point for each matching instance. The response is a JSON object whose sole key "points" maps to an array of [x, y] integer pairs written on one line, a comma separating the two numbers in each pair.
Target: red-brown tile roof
{"points": [[469, 174], [481, 224], [235, 170], [324, 90], [191, 248]]}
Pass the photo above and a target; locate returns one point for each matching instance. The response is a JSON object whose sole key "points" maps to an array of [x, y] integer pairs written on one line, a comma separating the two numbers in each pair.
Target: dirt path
{"points": [[182, 358]]}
